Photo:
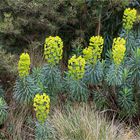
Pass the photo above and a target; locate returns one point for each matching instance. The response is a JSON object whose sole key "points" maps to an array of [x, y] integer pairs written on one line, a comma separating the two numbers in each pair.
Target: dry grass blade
{"points": [[84, 123]]}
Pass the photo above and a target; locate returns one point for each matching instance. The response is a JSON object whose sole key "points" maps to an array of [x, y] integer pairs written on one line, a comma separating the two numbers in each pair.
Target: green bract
{"points": [[94, 50], [76, 67], [53, 49], [24, 65], [118, 50], [41, 106], [129, 18]]}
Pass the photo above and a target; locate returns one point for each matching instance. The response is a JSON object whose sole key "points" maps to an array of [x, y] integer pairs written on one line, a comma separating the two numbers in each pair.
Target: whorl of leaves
{"points": [[24, 90], [114, 75], [126, 102], [94, 74], [77, 90], [39, 80], [53, 79], [134, 65], [44, 131]]}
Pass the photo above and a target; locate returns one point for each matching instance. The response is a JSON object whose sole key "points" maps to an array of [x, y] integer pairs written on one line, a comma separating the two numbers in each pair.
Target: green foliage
{"points": [[24, 90], [126, 78], [7, 63], [1, 91], [38, 78], [94, 74], [52, 79], [77, 46], [100, 100], [7, 25], [31, 21], [44, 131], [134, 64], [114, 75], [127, 103], [3, 111], [77, 90]]}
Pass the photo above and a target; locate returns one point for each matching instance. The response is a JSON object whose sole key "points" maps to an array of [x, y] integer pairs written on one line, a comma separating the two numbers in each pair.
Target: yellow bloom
{"points": [[118, 50], [53, 49], [24, 64], [76, 67], [94, 50], [41, 106], [129, 18]]}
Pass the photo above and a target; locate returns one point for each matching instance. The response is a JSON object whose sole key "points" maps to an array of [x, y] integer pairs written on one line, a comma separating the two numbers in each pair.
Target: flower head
{"points": [[24, 64], [53, 49], [129, 18], [76, 67], [118, 50], [94, 50], [41, 106]]}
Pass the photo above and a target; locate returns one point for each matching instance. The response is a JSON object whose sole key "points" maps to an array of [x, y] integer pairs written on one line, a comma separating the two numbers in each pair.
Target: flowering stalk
{"points": [[118, 50], [129, 18], [94, 50], [76, 67], [41, 106], [24, 65], [53, 49]]}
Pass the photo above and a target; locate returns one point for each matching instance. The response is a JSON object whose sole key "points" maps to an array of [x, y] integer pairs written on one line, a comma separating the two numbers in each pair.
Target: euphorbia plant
{"points": [[41, 104], [53, 49], [92, 55], [25, 88], [76, 87]]}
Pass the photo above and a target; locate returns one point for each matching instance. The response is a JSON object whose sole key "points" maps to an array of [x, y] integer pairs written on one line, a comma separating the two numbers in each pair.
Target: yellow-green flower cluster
{"points": [[129, 18], [118, 50], [76, 67], [53, 49], [24, 65], [94, 50], [41, 106]]}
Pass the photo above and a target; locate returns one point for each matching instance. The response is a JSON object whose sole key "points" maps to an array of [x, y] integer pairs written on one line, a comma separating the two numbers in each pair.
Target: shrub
{"points": [[7, 63]]}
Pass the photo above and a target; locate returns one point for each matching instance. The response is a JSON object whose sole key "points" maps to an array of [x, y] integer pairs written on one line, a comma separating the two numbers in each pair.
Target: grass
{"points": [[79, 122], [83, 123]]}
